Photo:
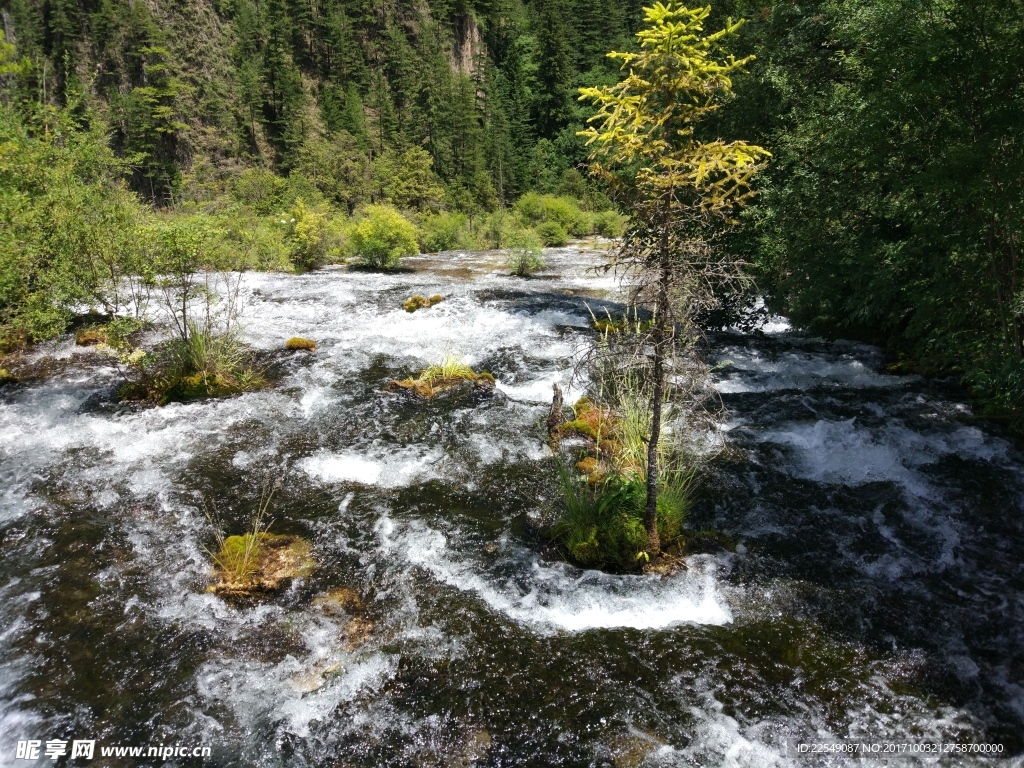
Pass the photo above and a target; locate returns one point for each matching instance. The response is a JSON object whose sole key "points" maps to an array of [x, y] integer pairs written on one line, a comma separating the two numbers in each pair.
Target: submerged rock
{"points": [[314, 679], [344, 602], [631, 749], [340, 601], [260, 564]]}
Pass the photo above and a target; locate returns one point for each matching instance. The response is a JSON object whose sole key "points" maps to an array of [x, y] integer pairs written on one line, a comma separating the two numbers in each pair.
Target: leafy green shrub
{"points": [[263, 190], [257, 242], [524, 254], [602, 526], [609, 224], [535, 209], [442, 231], [552, 234], [307, 234], [383, 236]]}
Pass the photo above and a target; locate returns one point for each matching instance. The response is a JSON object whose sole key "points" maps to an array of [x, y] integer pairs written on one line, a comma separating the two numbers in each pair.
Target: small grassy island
{"points": [[261, 563], [451, 376]]}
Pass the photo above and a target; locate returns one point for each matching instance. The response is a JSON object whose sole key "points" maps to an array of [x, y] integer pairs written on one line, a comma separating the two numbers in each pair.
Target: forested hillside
{"points": [[486, 87]]}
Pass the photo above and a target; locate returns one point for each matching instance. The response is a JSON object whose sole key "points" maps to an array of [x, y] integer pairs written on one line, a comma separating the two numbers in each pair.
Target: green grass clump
{"points": [[239, 557], [299, 343], [602, 526], [205, 364], [449, 374]]}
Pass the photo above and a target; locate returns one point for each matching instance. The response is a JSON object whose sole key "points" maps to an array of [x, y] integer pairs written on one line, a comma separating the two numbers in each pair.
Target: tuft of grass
{"points": [[602, 525], [447, 375], [238, 557], [299, 343], [204, 364]]}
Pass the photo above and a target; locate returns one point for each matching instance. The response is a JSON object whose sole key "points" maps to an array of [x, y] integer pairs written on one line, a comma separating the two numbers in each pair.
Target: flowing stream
{"points": [[876, 590]]}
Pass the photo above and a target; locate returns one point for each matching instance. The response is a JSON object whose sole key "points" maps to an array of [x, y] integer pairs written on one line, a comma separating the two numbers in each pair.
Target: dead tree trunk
{"points": [[555, 416]]}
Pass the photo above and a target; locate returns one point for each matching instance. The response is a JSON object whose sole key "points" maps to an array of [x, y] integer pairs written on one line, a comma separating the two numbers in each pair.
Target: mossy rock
{"points": [[595, 470], [252, 565], [90, 336], [429, 387], [420, 302], [198, 386], [6, 377], [297, 343]]}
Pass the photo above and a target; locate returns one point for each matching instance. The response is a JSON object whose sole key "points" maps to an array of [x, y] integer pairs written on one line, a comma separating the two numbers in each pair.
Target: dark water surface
{"points": [[876, 594]]}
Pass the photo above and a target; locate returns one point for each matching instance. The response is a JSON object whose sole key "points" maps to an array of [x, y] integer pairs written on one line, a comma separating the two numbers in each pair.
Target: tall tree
{"points": [[679, 187], [554, 69]]}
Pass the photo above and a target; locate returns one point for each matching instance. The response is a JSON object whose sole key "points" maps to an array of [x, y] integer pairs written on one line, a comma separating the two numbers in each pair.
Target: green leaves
{"points": [[644, 129]]}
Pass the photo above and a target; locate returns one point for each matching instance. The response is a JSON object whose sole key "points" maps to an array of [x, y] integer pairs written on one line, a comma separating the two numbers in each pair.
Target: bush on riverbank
{"points": [[383, 236]]}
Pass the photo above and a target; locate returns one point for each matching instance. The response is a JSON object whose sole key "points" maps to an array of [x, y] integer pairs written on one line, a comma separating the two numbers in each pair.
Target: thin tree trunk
{"points": [[657, 395]]}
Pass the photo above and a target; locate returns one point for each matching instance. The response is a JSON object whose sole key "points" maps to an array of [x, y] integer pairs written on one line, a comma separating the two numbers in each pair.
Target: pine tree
{"points": [[554, 70], [678, 186]]}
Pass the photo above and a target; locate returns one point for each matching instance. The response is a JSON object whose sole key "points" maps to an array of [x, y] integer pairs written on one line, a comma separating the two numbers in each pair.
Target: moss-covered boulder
{"points": [[90, 336], [297, 344], [594, 422], [258, 564], [197, 386], [6, 377], [420, 302]]}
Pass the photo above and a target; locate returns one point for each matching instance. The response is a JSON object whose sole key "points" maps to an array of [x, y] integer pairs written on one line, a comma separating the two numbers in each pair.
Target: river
{"points": [[875, 593]]}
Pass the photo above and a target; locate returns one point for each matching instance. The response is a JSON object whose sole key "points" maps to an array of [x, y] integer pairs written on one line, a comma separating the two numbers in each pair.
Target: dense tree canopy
{"points": [[891, 210]]}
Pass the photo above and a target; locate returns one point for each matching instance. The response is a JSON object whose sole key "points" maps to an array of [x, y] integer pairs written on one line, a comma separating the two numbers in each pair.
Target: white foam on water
{"points": [[18, 721], [752, 370], [555, 597], [261, 695], [540, 390], [847, 453], [383, 467]]}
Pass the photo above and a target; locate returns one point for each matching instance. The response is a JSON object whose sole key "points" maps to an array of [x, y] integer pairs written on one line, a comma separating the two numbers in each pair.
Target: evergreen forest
{"points": [[890, 210]]}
